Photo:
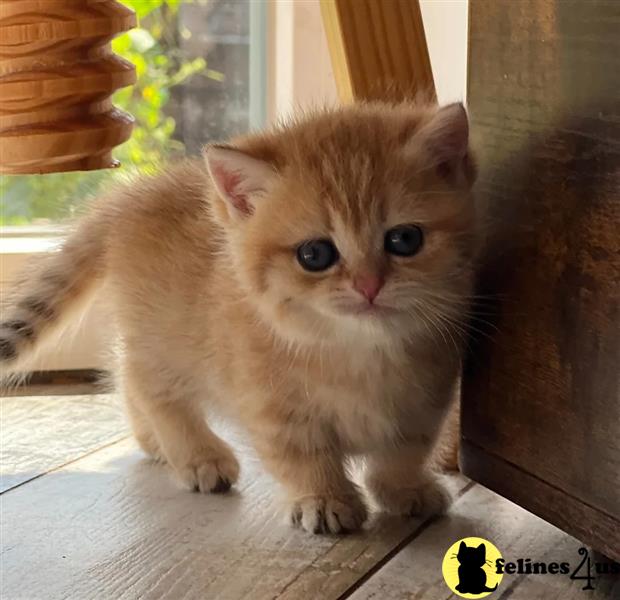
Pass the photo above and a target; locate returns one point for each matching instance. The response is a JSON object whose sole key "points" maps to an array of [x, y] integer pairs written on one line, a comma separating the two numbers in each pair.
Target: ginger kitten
{"points": [[311, 281]]}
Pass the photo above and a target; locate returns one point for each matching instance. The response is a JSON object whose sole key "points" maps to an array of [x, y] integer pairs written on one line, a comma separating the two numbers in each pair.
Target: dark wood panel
{"points": [[572, 515], [544, 393], [60, 383]]}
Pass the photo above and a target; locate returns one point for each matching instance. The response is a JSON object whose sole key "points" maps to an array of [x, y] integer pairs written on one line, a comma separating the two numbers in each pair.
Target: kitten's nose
{"points": [[368, 285]]}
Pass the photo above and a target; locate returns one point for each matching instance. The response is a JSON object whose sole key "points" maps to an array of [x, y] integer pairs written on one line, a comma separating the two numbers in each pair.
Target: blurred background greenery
{"points": [[161, 65]]}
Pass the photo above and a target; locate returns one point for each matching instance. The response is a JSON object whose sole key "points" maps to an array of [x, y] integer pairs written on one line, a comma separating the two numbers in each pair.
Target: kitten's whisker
{"points": [[441, 330], [464, 327], [426, 325], [452, 327]]}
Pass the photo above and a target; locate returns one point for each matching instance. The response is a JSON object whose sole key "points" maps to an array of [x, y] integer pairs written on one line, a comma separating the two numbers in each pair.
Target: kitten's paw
{"points": [[427, 498], [212, 472], [328, 514]]}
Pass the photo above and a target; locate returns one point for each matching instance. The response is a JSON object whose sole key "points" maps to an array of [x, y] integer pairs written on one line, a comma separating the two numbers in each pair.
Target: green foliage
{"points": [[145, 7], [41, 198]]}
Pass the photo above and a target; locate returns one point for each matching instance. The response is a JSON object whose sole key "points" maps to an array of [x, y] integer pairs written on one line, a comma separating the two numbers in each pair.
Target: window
{"points": [[200, 68]]}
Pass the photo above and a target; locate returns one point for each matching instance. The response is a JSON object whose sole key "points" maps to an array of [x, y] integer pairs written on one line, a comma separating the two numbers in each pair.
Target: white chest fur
{"points": [[372, 403]]}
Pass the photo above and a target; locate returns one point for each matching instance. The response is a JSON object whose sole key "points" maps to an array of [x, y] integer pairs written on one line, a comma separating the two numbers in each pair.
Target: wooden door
{"points": [[541, 396]]}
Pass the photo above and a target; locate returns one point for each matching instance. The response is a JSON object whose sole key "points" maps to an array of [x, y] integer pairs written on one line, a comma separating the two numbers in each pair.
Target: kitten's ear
{"points": [[443, 144], [482, 549], [463, 546], [447, 135], [239, 179]]}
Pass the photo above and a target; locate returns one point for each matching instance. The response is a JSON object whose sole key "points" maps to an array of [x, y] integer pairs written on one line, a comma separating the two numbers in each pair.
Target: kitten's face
{"points": [[360, 233]]}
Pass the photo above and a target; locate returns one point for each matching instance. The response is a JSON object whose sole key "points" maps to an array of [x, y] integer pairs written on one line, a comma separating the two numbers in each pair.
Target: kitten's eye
{"points": [[317, 255], [403, 240]]}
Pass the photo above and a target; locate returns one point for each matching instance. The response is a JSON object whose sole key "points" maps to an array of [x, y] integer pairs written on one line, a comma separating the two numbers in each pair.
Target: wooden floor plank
{"points": [[416, 571], [40, 433], [112, 525]]}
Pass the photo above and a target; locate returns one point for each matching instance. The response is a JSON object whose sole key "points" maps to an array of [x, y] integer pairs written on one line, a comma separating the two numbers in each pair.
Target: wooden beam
{"points": [[378, 49]]}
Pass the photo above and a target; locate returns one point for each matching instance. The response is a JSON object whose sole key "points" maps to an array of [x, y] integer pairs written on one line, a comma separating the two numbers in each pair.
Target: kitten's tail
{"points": [[49, 292]]}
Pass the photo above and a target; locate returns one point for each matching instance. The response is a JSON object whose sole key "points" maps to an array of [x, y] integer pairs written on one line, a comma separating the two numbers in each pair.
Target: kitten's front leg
{"points": [[402, 483], [170, 425], [323, 499]]}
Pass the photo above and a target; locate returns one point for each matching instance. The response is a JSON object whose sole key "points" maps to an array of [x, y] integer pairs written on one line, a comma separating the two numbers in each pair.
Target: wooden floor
{"points": [[86, 516]]}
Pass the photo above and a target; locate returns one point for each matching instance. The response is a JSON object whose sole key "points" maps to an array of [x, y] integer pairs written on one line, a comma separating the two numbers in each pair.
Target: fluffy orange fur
{"points": [[214, 309]]}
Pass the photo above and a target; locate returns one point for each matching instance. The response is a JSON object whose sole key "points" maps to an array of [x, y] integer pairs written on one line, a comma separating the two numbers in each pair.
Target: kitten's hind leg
{"points": [[142, 428], [445, 456], [169, 424]]}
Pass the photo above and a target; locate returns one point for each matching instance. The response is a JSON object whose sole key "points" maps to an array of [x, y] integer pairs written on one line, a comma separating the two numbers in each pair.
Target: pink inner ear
{"points": [[230, 182]]}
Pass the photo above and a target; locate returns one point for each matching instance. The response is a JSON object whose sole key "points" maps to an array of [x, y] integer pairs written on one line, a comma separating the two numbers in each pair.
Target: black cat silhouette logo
{"points": [[469, 568]]}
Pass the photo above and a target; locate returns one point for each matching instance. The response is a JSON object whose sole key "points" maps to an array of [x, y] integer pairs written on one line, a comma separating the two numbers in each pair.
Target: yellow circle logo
{"points": [[469, 568]]}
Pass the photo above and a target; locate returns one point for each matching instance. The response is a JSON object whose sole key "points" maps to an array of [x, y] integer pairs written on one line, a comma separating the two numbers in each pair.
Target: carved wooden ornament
{"points": [[57, 74]]}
